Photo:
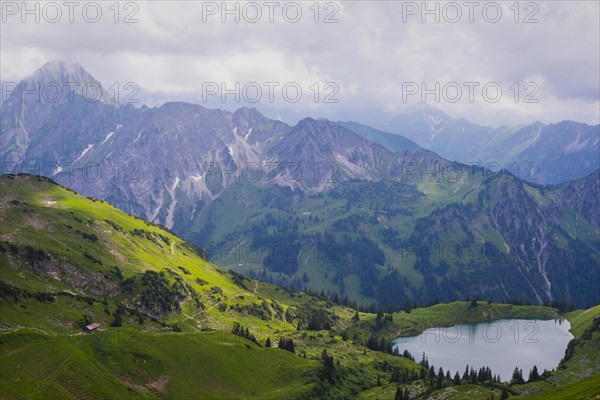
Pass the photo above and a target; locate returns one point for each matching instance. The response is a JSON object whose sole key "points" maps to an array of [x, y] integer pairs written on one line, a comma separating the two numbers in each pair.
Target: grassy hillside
{"points": [[582, 319], [133, 364], [167, 313], [583, 390]]}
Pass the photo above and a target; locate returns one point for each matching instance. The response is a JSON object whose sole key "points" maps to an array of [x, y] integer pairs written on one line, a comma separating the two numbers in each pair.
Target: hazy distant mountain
{"points": [[539, 153], [432, 129], [563, 151], [392, 142]]}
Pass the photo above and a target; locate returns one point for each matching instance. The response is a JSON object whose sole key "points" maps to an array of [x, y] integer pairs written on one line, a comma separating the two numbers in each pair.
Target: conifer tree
{"points": [[329, 371], [517, 377], [456, 378], [465, 376], [534, 375], [399, 394]]}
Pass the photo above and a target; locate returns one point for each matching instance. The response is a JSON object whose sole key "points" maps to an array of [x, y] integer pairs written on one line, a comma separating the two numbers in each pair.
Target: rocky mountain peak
{"points": [[53, 82]]}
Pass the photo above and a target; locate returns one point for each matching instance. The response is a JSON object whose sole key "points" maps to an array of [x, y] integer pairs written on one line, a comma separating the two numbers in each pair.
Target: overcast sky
{"points": [[376, 56]]}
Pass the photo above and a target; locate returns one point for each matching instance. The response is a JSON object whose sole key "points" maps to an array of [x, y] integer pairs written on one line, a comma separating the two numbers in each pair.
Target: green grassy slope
{"points": [[583, 390], [582, 319], [67, 259], [133, 364]]}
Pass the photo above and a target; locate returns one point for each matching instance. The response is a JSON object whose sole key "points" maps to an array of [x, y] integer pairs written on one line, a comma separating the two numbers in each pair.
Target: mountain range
{"points": [[414, 216]]}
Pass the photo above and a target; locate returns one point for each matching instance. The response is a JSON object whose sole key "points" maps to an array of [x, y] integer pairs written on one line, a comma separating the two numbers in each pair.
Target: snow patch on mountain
{"points": [[84, 152], [576, 145], [195, 185], [58, 168], [158, 207], [170, 220], [107, 137]]}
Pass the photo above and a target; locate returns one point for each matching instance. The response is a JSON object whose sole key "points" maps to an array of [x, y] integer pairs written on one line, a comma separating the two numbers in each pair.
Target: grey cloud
{"points": [[369, 53]]}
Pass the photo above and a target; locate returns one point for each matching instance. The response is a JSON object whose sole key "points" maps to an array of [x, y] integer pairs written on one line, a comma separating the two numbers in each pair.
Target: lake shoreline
{"points": [[500, 344], [406, 324]]}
